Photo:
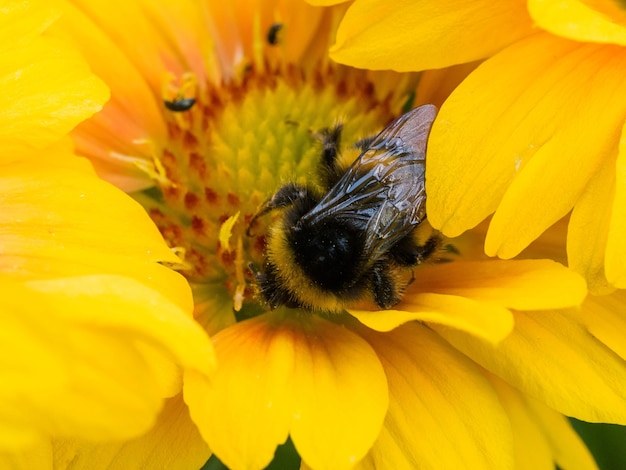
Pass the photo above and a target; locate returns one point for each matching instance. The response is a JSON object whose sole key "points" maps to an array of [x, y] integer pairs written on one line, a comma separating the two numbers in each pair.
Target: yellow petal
{"points": [[21, 22], [586, 248], [64, 342], [58, 219], [542, 436], [604, 318], [288, 373], [523, 153], [36, 112], [568, 449], [443, 413], [519, 284], [173, 442], [475, 296], [578, 20], [134, 112], [39, 457], [550, 356], [404, 35], [531, 450], [488, 321], [615, 249]]}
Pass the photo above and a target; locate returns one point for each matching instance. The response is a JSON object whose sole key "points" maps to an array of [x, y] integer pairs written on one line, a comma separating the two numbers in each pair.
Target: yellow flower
{"points": [[214, 106], [534, 134], [93, 329]]}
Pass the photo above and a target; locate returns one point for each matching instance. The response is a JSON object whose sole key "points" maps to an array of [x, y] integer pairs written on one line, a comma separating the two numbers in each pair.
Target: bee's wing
{"points": [[383, 190]]}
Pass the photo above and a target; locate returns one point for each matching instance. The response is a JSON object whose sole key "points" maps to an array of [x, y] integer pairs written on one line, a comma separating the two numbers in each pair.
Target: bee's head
{"points": [[328, 252]]}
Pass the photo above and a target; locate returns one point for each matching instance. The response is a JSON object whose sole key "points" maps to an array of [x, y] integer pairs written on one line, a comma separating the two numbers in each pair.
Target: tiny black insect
{"points": [[273, 34], [355, 238], [180, 105]]}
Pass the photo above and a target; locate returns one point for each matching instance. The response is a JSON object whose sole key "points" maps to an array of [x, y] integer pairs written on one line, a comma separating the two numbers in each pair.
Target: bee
{"points": [[354, 240]]}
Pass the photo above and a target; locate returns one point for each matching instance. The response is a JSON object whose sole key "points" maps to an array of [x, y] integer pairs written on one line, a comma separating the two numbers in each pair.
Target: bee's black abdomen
{"points": [[330, 254]]}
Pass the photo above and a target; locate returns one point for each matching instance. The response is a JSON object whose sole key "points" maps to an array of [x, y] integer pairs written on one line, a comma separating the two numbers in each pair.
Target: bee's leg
{"points": [[286, 196], [409, 253], [330, 138], [383, 286]]}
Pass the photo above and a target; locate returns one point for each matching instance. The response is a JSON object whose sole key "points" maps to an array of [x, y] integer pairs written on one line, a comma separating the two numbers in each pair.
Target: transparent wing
{"points": [[383, 190]]}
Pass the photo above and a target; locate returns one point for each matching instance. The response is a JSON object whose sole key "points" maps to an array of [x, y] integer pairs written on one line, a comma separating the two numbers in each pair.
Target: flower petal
{"points": [[36, 112], [61, 366], [578, 20], [567, 447], [552, 357], [615, 249], [443, 413], [543, 437], [586, 248], [488, 321], [173, 442], [58, 219], [519, 284], [474, 296], [604, 318], [284, 373], [39, 457], [405, 35], [516, 153]]}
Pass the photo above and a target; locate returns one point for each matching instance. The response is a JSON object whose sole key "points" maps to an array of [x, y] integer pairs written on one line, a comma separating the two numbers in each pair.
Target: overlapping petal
{"points": [[556, 361], [542, 437], [515, 155], [404, 35], [173, 442], [599, 21], [83, 294], [474, 296], [604, 318], [78, 366], [443, 412], [615, 247], [282, 374], [35, 112]]}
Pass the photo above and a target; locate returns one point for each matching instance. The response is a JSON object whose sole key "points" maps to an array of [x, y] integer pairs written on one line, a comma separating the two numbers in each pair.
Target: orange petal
{"points": [[404, 35], [443, 413], [290, 373], [598, 21], [173, 442], [550, 356], [523, 153]]}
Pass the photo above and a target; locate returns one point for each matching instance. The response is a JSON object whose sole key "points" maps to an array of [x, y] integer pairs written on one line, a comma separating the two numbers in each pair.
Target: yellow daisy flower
{"points": [[216, 105], [93, 329], [534, 134]]}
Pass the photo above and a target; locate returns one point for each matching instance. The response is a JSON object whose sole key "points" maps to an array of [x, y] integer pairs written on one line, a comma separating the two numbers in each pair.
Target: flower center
{"points": [[234, 147]]}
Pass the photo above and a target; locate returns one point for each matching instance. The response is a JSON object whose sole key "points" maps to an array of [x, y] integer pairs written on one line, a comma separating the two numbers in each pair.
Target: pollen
{"points": [[231, 144]]}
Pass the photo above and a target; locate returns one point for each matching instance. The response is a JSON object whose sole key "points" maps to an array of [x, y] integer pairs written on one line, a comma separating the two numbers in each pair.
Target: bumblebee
{"points": [[355, 241]]}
